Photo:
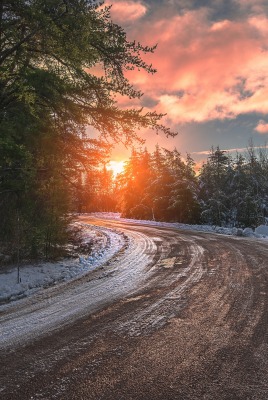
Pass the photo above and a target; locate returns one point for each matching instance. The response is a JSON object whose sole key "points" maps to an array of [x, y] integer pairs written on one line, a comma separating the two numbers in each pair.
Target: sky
{"points": [[212, 70]]}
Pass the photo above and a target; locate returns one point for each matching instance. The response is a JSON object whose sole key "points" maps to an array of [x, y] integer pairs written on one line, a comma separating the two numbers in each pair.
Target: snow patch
{"points": [[262, 230], [31, 278]]}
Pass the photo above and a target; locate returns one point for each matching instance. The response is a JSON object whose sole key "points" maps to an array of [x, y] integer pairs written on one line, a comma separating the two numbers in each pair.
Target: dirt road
{"points": [[174, 315]]}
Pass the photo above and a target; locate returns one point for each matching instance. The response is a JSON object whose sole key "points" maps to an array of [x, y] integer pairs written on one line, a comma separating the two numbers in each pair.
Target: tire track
{"points": [[187, 319], [52, 309]]}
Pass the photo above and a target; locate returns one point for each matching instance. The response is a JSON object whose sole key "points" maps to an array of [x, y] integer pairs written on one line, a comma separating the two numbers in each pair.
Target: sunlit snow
{"points": [[32, 277]]}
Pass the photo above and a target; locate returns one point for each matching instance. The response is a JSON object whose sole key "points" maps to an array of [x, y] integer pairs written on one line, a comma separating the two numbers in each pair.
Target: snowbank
{"points": [[262, 230], [105, 243]]}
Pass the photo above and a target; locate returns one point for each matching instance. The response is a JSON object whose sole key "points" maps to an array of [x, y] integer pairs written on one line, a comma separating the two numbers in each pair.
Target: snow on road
{"points": [[105, 243], [125, 253], [51, 309]]}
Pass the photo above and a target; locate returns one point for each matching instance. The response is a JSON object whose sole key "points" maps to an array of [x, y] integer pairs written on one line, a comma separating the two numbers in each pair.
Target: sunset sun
{"points": [[116, 166]]}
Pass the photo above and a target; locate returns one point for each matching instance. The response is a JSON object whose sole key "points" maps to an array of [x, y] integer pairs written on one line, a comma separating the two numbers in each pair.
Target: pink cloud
{"points": [[262, 127], [205, 70], [126, 11]]}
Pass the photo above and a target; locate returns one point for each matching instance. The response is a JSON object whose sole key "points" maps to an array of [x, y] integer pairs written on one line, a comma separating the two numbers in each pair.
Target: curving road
{"points": [[172, 315]]}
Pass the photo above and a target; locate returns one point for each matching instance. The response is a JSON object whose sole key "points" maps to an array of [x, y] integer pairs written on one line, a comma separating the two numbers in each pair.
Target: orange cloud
{"points": [[262, 127], [125, 11], [205, 70]]}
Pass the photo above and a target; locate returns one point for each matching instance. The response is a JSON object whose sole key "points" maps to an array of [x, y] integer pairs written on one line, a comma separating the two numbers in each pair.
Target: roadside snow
{"points": [[105, 243], [260, 232], [128, 256]]}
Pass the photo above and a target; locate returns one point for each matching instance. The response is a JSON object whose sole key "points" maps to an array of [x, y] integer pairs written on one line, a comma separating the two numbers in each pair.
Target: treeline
{"points": [[233, 191], [159, 186], [98, 191], [226, 191]]}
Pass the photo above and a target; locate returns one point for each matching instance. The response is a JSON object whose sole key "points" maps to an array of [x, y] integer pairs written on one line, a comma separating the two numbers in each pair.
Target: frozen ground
{"points": [[105, 243], [121, 269]]}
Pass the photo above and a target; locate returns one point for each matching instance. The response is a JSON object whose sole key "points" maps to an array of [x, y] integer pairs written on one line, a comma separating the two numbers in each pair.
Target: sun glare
{"points": [[116, 167]]}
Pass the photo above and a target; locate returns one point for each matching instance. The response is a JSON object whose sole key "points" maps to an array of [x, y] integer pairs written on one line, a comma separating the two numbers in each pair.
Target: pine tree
{"points": [[184, 190], [213, 181]]}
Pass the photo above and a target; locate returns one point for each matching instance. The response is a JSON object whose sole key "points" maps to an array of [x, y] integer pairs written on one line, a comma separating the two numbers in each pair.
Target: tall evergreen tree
{"points": [[183, 201], [213, 180]]}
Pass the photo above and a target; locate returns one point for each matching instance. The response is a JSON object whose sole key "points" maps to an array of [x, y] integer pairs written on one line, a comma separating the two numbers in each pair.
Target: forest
{"points": [[59, 118], [226, 191]]}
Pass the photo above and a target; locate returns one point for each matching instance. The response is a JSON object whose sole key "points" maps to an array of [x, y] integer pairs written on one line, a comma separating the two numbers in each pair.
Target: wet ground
{"points": [[190, 323]]}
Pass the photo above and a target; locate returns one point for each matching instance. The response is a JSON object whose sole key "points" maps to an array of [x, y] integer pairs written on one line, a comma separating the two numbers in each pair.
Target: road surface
{"points": [[173, 315]]}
